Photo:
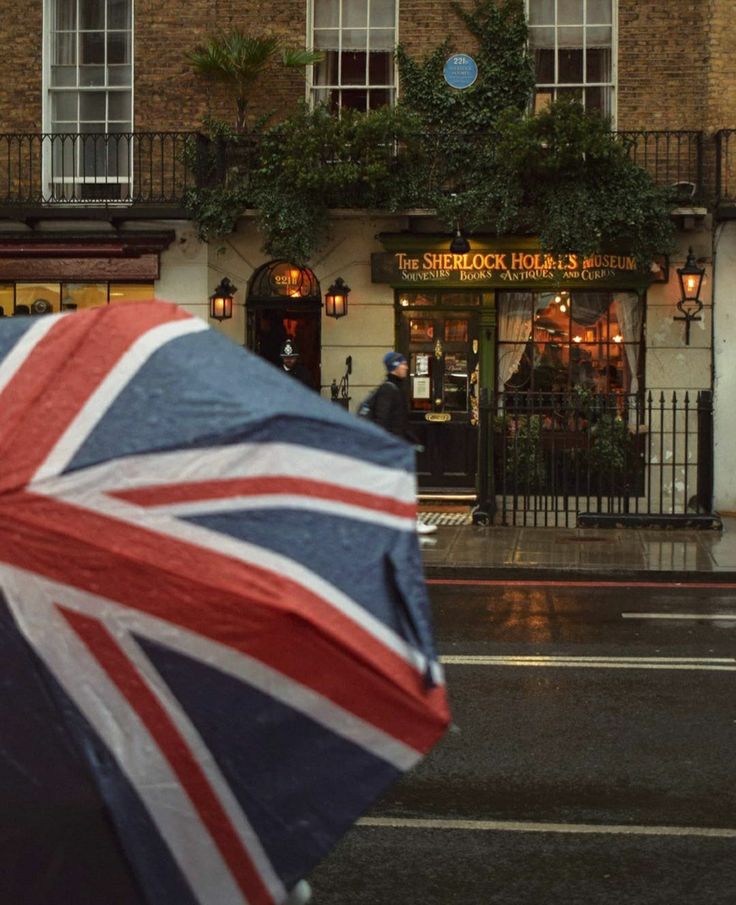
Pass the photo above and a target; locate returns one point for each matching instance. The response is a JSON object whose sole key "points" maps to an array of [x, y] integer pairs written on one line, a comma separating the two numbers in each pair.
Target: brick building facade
{"points": [[671, 70]]}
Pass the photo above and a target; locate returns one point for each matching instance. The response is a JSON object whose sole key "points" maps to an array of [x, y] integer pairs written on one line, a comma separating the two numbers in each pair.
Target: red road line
{"points": [[520, 583]]}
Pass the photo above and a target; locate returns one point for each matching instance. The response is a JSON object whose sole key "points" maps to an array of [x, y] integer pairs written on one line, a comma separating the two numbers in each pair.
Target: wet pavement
{"points": [[590, 759], [469, 551]]}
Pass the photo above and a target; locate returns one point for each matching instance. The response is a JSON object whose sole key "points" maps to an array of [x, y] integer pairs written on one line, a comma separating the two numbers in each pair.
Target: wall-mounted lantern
{"points": [[691, 279], [221, 300], [336, 299]]}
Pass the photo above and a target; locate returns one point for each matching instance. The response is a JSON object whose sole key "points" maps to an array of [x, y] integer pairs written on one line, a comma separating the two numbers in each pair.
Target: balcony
{"points": [[118, 174], [147, 174], [672, 158]]}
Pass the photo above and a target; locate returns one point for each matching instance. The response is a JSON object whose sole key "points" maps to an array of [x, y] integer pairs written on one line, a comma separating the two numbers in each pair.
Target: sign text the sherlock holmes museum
{"points": [[502, 268]]}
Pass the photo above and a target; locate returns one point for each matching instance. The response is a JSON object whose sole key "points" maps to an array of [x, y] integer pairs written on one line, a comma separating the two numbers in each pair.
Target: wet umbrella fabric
{"points": [[215, 633]]}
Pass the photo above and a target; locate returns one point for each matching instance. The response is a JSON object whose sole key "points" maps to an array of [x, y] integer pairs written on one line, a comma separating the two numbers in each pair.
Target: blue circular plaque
{"points": [[460, 71]]}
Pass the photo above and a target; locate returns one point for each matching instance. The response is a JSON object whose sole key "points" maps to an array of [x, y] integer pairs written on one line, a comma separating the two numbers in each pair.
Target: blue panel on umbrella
{"points": [[58, 845], [300, 785], [180, 399], [367, 578]]}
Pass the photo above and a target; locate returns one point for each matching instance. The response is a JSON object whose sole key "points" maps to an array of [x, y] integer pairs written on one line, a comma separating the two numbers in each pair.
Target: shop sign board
{"points": [[504, 268]]}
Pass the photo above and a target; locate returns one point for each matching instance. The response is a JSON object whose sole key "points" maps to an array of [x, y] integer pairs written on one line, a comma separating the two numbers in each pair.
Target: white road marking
{"points": [[511, 826], [723, 664], [729, 617]]}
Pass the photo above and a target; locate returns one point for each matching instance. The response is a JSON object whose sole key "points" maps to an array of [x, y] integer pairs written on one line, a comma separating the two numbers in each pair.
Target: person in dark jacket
{"points": [[390, 410], [289, 355]]}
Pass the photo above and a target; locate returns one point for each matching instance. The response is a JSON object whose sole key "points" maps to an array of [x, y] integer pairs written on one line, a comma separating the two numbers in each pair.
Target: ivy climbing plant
{"points": [[477, 157]]}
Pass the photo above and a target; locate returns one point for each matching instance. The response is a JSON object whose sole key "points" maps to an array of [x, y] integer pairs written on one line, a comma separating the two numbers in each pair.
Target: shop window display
{"points": [[557, 342]]}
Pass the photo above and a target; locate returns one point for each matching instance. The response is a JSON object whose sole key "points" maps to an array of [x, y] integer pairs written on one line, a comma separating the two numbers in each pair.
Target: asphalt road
{"points": [[592, 757]]}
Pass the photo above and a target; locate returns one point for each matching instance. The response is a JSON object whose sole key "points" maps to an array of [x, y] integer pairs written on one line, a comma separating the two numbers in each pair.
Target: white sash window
{"points": [[89, 76]]}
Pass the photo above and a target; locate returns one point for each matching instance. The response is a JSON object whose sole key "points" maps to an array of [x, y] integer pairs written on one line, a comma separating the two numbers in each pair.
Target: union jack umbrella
{"points": [[214, 632]]}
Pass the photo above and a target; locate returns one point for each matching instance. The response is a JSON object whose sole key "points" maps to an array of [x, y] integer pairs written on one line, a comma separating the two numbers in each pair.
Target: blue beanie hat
{"points": [[392, 360]]}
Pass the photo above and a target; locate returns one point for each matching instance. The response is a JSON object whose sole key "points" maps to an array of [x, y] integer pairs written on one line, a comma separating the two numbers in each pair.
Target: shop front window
{"points": [[36, 298], [562, 341], [572, 44], [357, 39]]}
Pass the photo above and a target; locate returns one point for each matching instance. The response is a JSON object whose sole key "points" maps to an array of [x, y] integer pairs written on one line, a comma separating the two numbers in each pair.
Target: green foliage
{"points": [[611, 450], [525, 466], [236, 59], [475, 156]]}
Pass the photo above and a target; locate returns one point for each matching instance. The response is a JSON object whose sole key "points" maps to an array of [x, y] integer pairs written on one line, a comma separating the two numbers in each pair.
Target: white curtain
{"points": [[628, 310], [515, 326]]}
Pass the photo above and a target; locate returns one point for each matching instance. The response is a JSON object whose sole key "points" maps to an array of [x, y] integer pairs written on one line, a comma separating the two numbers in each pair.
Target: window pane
{"points": [[65, 50], [326, 72], [383, 12], [92, 47], [7, 292], [380, 97], [354, 14], [66, 15], [327, 39], [92, 106], [354, 68], [599, 36], [594, 100], [541, 12], [118, 75], [542, 99], [542, 37], [62, 76], [382, 39], [91, 14], [574, 93], [456, 330], [544, 64], [570, 66], [119, 106], [326, 13], [598, 12], [118, 47], [421, 331], [83, 295], [355, 39], [120, 293], [118, 13], [28, 293], [91, 75], [570, 37], [598, 65], [380, 69], [64, 106], [356, 100], [569, 12]]}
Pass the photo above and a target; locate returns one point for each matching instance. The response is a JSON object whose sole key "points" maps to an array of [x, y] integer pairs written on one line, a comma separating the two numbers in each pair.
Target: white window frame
{"points": [[612, 86], [311, 88], [79, 186]]}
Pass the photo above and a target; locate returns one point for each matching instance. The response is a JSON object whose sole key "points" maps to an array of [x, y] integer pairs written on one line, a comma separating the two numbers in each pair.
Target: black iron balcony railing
{"points": [[158, 168], [129, 168], [672, 158]]}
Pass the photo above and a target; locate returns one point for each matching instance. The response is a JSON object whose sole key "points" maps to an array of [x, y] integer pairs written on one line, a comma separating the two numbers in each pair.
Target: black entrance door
{"points": [[442, 349], [268, 328]]}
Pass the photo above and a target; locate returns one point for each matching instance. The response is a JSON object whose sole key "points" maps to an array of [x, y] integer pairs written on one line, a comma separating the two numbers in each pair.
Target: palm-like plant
{"points": [[236, 59]]}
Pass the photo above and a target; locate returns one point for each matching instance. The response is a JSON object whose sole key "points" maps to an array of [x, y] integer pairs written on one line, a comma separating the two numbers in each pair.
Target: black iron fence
{"points": [[74, 168], [556, 459]]}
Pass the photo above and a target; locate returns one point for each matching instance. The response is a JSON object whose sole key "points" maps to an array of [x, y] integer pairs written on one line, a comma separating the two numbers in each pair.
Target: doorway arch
{"points": [[284, 301]]}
